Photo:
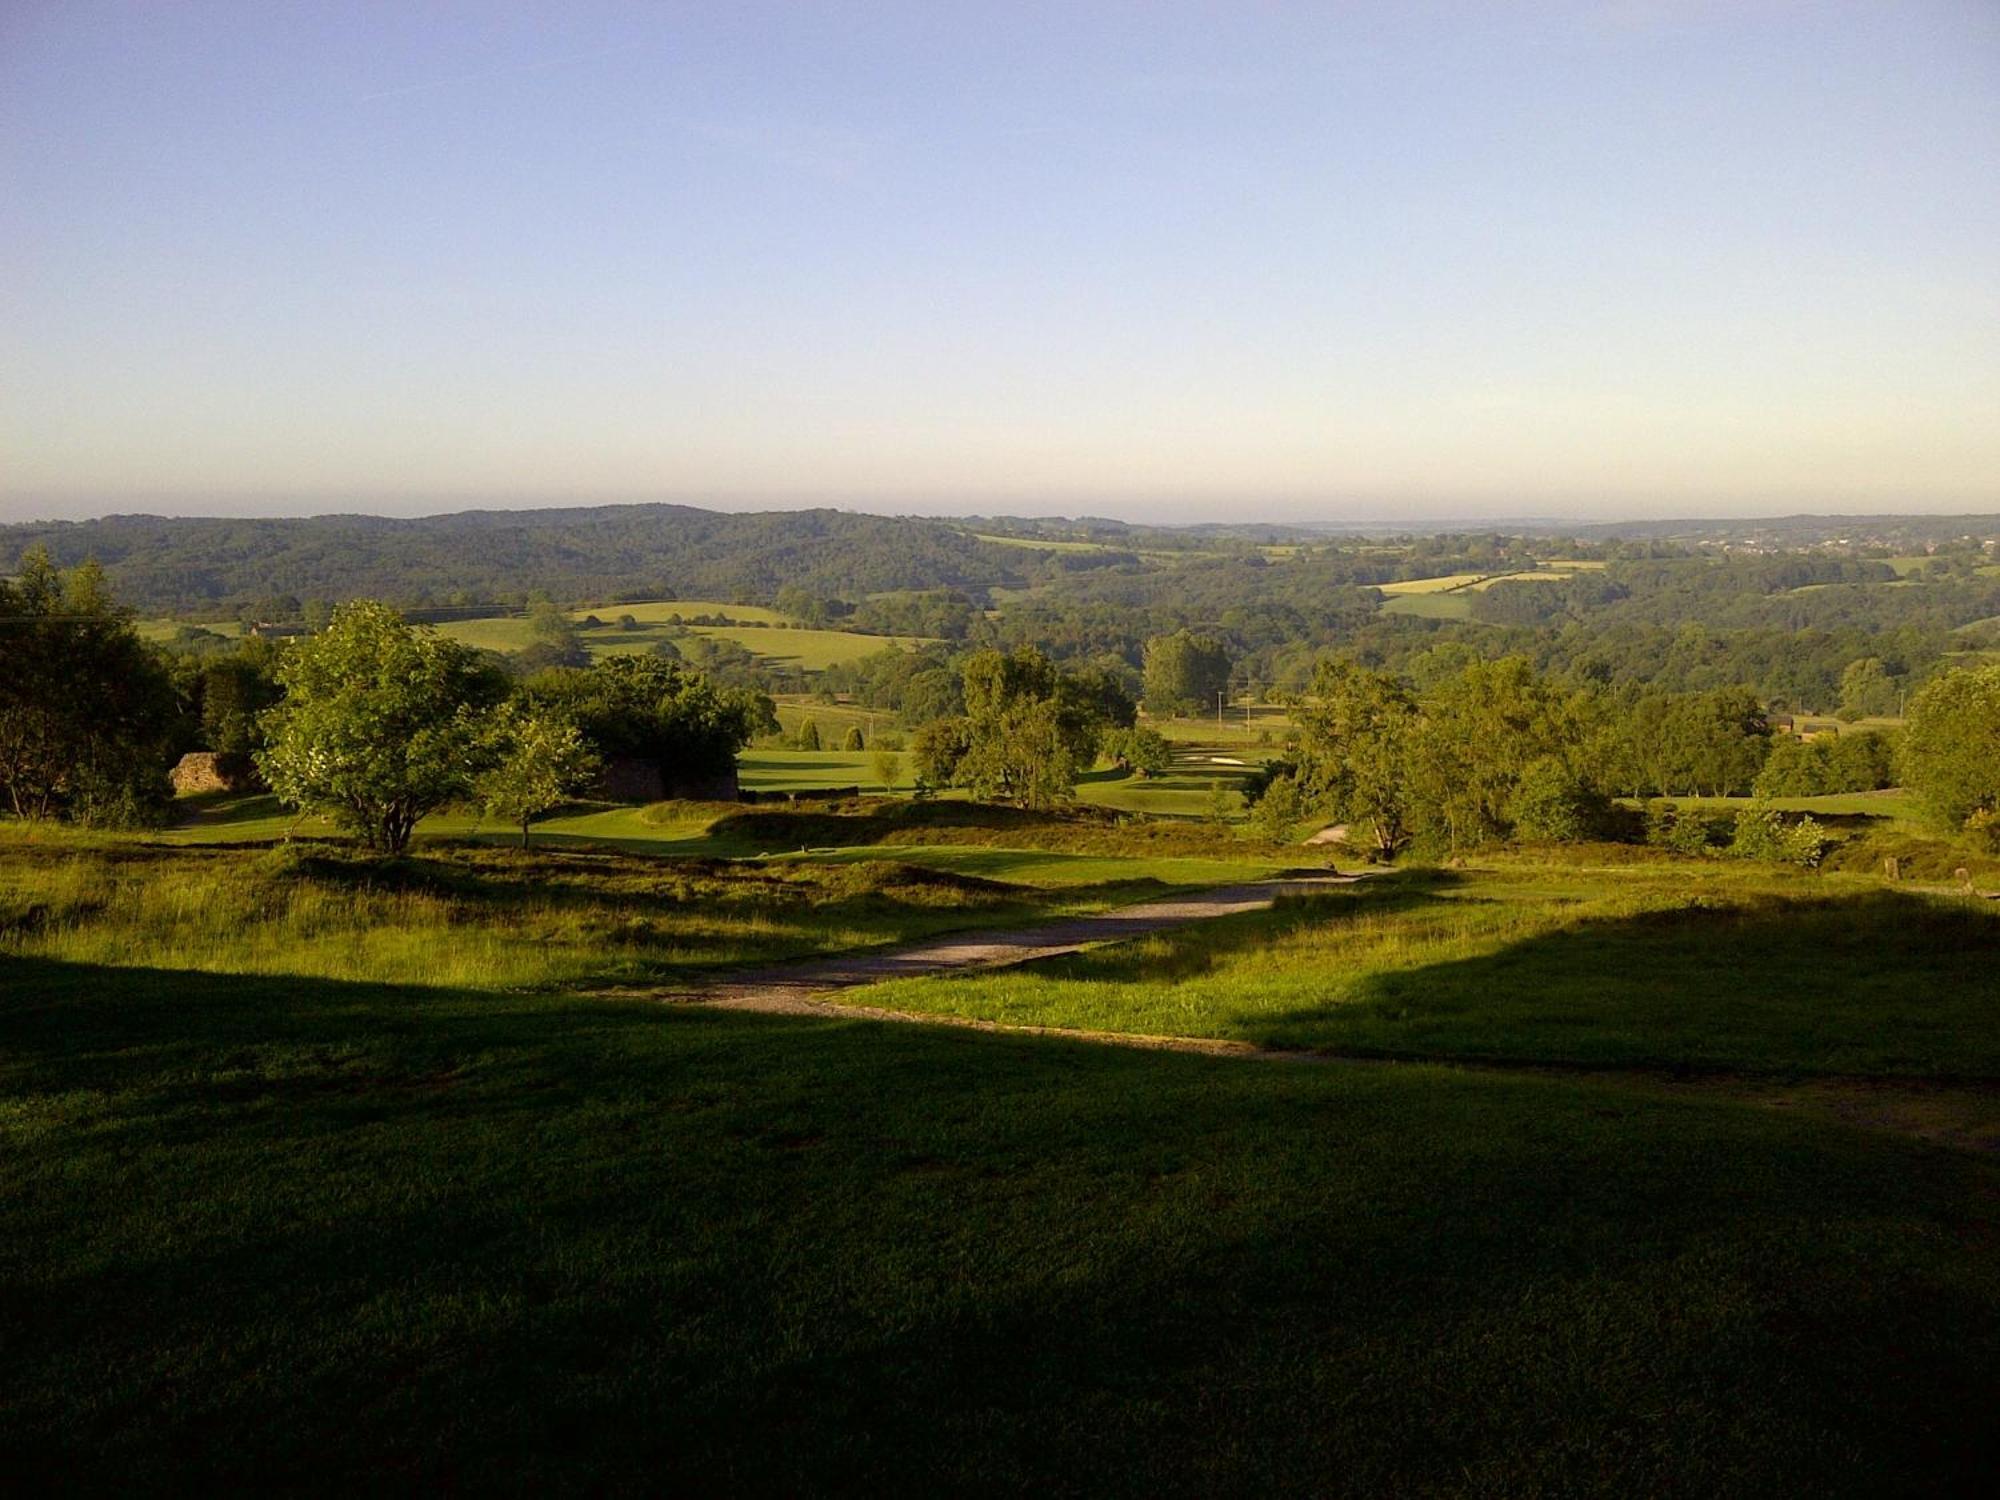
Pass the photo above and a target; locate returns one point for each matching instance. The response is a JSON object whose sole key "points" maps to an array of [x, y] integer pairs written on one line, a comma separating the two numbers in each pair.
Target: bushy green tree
{"points": [[1353, 747], [888, 767], [808, 735], [1184, 672], [1762, 832], [535, 758], [87, 710], [1553, 804], [854, 739], [1028, 731], [1867, 690], [657, 710], [380, 724], [1951, 750], [1144, 751], [1278, 812], [936, 751]]}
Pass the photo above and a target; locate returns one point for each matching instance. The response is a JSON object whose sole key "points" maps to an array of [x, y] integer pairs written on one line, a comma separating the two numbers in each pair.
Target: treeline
{"points": [[1495, 750], [183, 566], [372, 722]]}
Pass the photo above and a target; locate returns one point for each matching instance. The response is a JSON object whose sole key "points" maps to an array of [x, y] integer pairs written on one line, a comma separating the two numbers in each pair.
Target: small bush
{"points": [[1553, 805], [1678, 832], [1762, 832]]}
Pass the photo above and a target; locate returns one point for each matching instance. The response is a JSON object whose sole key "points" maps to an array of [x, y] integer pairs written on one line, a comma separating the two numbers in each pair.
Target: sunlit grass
{"points": [[1672, 962], [483, 917]]}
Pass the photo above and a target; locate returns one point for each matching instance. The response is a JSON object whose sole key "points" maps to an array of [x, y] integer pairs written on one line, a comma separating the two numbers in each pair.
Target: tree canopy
{"points": [[87, 710], [379, 725], [1951, 750]]}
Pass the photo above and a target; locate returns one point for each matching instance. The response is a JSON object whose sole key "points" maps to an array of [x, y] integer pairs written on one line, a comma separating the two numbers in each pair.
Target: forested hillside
{"points": [[166, 565]]}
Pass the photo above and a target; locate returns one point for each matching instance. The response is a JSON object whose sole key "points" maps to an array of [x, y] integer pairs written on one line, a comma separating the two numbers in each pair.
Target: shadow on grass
{"points": [[1876, 982], [314, 1235], [226, 809]]}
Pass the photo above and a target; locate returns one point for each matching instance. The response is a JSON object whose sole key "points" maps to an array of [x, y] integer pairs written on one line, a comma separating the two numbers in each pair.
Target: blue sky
{"points": [[1165, 261]]}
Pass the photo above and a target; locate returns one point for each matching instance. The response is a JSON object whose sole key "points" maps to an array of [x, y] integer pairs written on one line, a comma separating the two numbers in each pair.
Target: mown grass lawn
{"points": [[1682, 963], [261, 1233]]}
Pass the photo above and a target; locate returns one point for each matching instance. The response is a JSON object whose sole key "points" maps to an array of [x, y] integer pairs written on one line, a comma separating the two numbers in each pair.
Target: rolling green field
{"points": [[759, 630], [273, 1231]]}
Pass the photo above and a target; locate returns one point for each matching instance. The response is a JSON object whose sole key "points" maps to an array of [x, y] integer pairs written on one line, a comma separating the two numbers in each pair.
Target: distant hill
{"points": [[169, 565]]}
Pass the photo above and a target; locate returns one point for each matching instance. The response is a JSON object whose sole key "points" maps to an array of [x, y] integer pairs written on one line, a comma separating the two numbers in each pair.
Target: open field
{"points": [[1244, 726], [1042, 543], [165, 630], [1525, 577], [284, 1232], [759, 630], [1443, 585]]}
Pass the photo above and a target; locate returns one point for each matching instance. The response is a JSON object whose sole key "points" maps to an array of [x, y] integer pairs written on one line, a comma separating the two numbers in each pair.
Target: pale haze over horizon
{"points": [[1159, 261]]}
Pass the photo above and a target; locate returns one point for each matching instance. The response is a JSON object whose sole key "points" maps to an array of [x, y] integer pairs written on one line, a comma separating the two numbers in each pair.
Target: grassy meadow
{"points": [[325, 1172], [1649, 963]]}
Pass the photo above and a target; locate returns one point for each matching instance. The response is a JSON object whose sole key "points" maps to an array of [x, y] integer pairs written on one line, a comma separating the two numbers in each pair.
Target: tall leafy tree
{"points": [[380, 724], [1028, 730], [1184, 672], [1353, 746], [87, 710], [1951, 750]]}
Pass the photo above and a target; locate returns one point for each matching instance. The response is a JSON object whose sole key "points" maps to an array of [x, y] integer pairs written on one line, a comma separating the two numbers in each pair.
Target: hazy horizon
{"points": [[1598, 260]]}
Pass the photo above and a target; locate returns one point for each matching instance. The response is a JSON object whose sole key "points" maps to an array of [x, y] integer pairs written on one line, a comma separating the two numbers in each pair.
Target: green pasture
{"points": [[165, 630], [759, 630]]}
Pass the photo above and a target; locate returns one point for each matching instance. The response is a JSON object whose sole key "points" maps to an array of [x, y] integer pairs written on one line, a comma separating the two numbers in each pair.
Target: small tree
{"points": [[380, 724], [888, 769], [1144, 751], [808, 736], [937, 749], [853, 739], [1279, 811], [537, 757]]}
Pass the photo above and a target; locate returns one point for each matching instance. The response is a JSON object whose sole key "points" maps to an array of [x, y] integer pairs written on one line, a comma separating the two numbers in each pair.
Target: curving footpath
{"points": [[795, 989]]}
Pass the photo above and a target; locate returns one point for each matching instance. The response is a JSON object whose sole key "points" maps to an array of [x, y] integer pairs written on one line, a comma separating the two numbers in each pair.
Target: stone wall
{"points": [[206, 771]]}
